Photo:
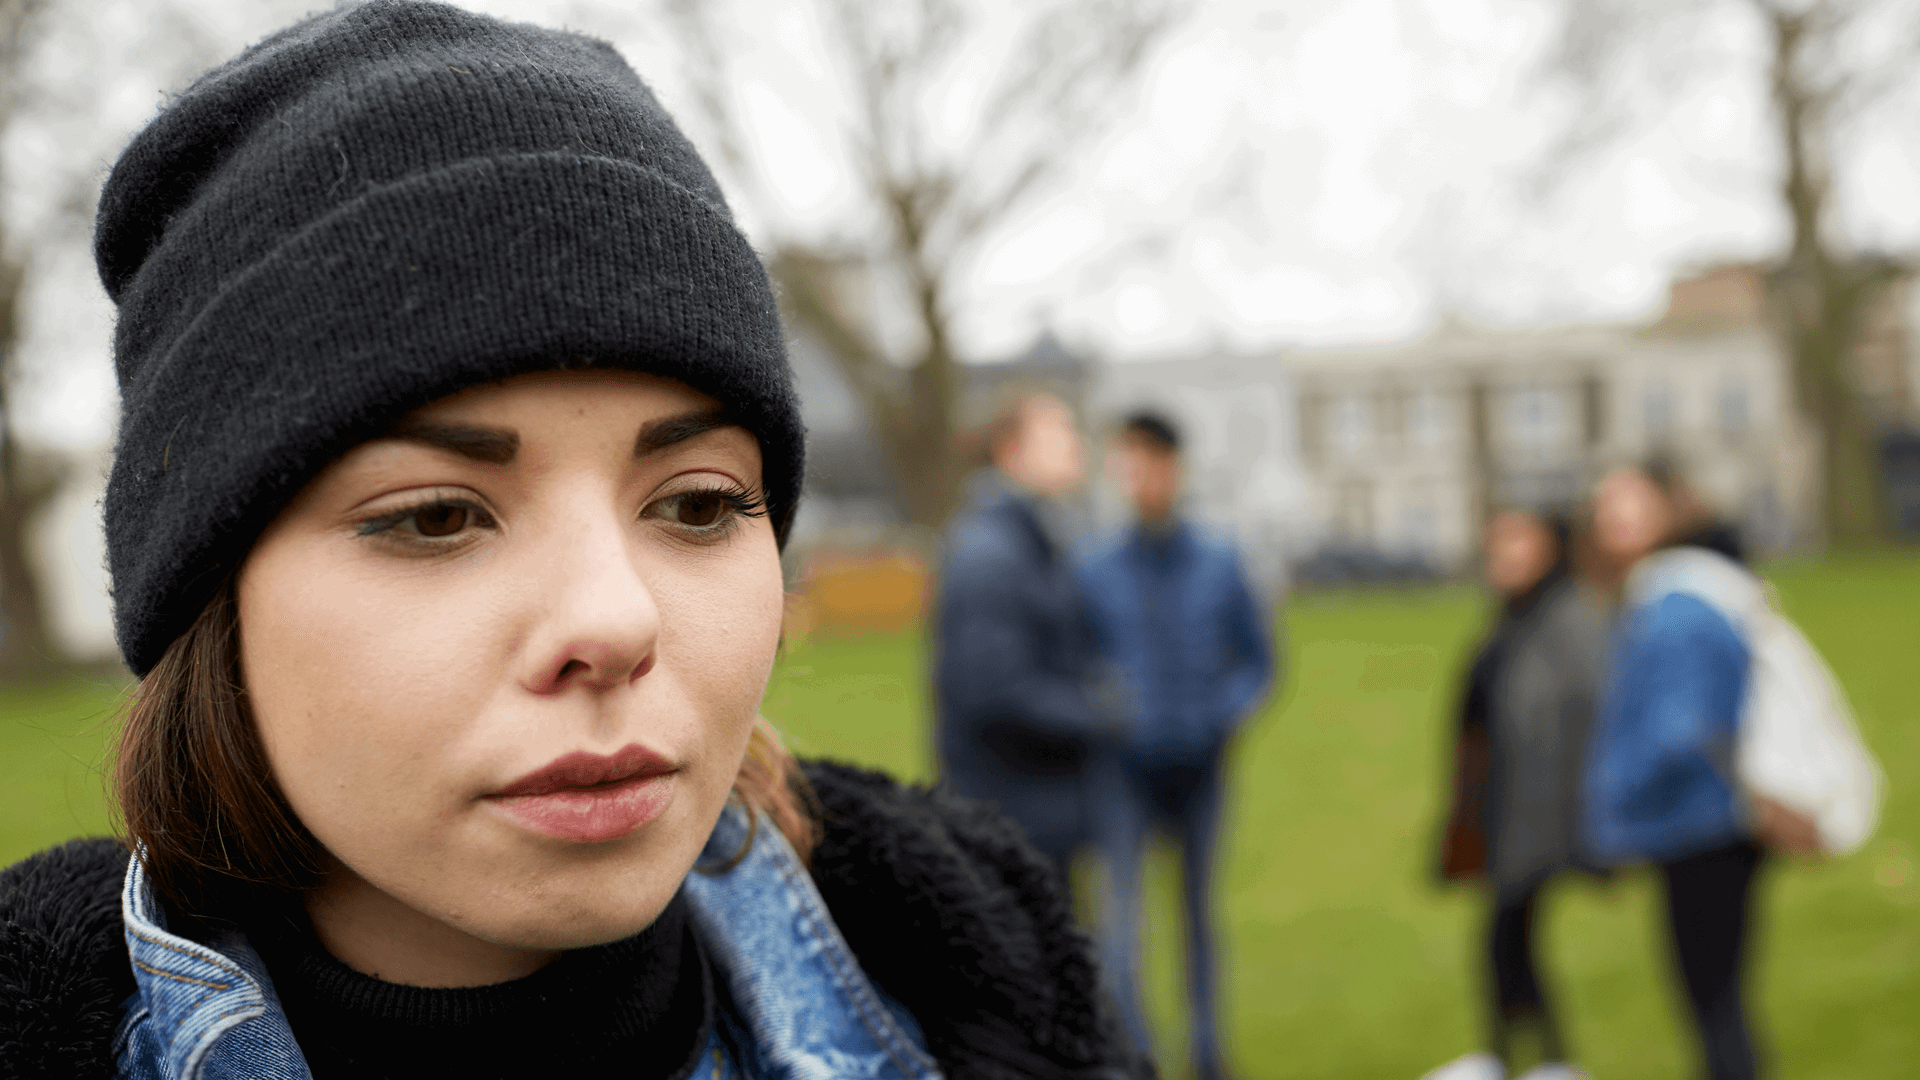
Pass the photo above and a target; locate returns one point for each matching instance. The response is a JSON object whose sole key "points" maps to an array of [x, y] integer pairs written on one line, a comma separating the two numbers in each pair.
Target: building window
{"points": [[1419, 531], [1536, 416], [1657, 410], [1351, 425], [1427, 419]]}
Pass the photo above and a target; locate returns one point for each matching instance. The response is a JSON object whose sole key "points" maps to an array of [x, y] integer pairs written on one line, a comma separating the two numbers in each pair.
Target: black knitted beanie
{"points": [[373, 209]]}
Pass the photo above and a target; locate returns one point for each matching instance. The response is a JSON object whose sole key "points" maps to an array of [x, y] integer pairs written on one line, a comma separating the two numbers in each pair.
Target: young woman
{"points": [[458, 444], [1524, 723], [1662, 786]]}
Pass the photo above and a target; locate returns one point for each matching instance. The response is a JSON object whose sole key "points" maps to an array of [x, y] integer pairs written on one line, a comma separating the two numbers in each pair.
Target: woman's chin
{"points": [[557, 924]]}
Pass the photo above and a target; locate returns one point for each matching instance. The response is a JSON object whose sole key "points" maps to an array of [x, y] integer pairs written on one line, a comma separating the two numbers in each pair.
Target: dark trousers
{"points": [[1519, 1000], [1709, 900], [1133, 796]]}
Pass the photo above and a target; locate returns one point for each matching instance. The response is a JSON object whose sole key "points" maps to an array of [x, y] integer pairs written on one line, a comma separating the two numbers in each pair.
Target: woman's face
{"points": [[1631, 515], [505, 662], [1520, 551]]}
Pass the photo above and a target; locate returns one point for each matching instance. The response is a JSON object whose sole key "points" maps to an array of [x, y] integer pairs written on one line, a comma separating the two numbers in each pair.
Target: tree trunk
{"points": [[931, 486], [913, 411], [1820, 302], [27, 483], [1821, 308], [27, 649]]}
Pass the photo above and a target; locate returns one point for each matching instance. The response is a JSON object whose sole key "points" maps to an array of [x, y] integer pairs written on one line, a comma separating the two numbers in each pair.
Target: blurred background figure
{"points": [[1178, 624], [1014, 664], [1516, 820], [1662, 785]]}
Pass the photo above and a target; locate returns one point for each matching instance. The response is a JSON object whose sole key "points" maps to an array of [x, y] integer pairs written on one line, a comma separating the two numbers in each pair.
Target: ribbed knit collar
{"points": [[642, 1008]]}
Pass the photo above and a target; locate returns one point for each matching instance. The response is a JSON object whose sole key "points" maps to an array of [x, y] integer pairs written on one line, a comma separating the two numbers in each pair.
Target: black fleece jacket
{"points": [[944, 904]]}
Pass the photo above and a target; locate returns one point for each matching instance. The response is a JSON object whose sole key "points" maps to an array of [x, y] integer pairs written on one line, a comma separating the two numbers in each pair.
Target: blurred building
{"points": [[851, 500], [1406, 447], [1380, 462], [1046, 364]]}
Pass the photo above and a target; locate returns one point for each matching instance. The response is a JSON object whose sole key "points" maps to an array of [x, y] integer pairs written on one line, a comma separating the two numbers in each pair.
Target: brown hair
{"points": [[199, 804]]}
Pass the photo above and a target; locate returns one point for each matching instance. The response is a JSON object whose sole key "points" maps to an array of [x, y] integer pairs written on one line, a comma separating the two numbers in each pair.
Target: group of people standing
{"points": [[1092, 690], [1597, 729]]}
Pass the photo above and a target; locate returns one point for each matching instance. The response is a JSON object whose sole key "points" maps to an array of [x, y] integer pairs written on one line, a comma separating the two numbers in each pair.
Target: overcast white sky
{"points": [[1316, 172]]}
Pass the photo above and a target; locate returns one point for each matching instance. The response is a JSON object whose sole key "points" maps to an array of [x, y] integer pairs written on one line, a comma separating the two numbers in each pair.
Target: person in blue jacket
{"points": [[1019, 716], [1661, 786], [1188, 642]]}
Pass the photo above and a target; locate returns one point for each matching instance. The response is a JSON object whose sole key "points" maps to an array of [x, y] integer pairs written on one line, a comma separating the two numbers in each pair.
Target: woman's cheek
{"points": [[357, 691], [729, 629]]}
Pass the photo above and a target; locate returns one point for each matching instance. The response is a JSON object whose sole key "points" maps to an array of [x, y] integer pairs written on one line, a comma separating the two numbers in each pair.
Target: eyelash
{"points": [[742, 502]]}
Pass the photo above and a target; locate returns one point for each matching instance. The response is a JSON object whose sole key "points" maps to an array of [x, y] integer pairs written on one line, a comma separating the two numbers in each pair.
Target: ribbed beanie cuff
{"points": [[372, 210]]}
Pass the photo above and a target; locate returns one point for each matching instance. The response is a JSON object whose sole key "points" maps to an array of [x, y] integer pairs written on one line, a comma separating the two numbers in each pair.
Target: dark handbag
{"points": [[1463, 842]]}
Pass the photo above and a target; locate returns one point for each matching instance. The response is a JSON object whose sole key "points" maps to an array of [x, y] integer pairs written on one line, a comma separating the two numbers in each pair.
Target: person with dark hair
{"points": [[457, 449], [1662, 784], [1519, 762], [1019, 716], [1181, 629]]}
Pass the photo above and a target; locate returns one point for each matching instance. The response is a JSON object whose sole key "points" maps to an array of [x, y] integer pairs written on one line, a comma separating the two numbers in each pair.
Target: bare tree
{"points": [[28, 480], [928, 201], [1820, 297], [61, 66], [1820, 77]]}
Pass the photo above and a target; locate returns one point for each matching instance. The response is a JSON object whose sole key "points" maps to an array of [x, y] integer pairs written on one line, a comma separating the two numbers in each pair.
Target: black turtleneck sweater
{"points": [[639, 1008]]}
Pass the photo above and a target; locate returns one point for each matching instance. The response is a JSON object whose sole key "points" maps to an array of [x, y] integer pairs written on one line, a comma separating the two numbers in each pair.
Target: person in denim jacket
{"points": [[1661, 785], [457, 450]]}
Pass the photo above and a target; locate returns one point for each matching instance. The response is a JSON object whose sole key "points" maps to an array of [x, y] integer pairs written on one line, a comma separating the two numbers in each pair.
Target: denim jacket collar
{"points": [[798, 1005], [199, 1010], [810, 1011]]}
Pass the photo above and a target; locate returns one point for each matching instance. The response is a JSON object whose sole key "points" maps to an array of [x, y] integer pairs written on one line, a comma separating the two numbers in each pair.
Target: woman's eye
{"points": [[707, 514], [432, 521]]}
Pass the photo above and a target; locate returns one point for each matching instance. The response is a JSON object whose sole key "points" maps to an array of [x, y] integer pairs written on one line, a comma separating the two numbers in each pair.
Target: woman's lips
{"points": [[587, 798]]}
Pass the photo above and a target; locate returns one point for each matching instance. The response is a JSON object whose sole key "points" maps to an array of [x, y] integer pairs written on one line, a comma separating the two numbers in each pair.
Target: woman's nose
{"points": [[596, 623]]}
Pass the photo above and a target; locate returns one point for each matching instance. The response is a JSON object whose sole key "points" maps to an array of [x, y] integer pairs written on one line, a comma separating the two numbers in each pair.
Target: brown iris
{"points": [[700, 509], [443, 520]]}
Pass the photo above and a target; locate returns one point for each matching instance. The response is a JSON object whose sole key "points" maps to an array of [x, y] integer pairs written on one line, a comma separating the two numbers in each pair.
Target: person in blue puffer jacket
{"points": [[1661, 786], [1186, 640]]}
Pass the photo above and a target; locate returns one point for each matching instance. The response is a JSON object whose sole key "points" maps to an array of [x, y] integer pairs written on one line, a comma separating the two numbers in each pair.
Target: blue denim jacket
{"points": [[800, 1006], [1661, 782]]}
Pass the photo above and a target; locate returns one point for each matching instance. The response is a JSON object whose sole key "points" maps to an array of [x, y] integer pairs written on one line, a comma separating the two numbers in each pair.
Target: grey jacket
{"points": [[1543, 699]]}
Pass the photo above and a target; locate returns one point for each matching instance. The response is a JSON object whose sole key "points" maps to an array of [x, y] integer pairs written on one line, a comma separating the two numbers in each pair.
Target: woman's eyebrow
{"points": [[495, 446], [666, 431]]}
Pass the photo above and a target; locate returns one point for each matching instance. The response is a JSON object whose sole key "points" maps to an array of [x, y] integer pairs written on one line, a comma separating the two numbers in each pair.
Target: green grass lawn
{"points": [[1345, 960]]}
